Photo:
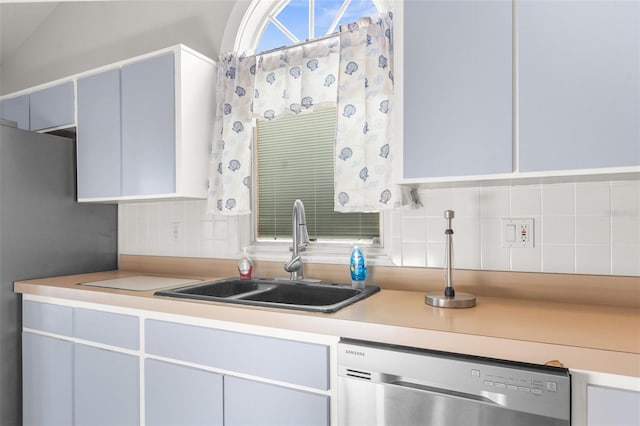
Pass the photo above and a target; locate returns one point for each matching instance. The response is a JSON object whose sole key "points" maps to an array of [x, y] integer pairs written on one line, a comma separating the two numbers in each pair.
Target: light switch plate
{"points": [[517, 232]]}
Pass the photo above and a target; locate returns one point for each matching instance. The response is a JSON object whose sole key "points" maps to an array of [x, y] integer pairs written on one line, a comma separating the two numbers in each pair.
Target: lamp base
{"points": [[460, 300]]}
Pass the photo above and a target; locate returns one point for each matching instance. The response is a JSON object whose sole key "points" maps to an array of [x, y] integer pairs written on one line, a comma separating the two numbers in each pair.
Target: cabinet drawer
{"points": [[272, 405], [47, 317], [107, 327], [305, 364]]}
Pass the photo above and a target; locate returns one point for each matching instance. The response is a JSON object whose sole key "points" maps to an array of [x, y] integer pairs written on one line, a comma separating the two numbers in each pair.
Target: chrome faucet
{"points": [[300, 239]]}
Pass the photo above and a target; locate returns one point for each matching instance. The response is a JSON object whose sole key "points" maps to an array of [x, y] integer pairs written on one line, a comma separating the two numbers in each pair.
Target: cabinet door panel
{"points": [[16, 109], [106, 387], [301, 363], [579, 84], [612, 407], [252, 403], [179, 395], [107, 327], [99, 130], [457, 88], [148, 126], [52, 107], [47, 380], [48, 317]]}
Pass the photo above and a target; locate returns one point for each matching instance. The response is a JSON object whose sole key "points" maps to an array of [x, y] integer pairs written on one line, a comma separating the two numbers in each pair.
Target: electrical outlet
{"points": [[517, 233]]}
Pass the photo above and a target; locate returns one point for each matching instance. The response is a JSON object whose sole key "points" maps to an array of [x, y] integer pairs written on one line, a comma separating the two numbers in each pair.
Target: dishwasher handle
{"points": [[448, 393]]}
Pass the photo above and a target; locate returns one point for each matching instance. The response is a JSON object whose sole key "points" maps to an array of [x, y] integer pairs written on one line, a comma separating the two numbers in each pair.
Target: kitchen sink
{"points": [[301, 295]]}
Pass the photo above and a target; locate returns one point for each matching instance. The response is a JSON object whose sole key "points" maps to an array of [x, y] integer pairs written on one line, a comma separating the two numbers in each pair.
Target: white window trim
{"points": [[250, 29]]}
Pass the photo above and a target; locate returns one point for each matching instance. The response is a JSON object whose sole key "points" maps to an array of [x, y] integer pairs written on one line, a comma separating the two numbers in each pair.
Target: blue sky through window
{"points": [[295, 17]]}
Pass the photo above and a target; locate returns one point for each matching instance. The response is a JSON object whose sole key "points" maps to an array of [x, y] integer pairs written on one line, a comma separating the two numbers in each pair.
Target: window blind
{"points": [[295, 160]]}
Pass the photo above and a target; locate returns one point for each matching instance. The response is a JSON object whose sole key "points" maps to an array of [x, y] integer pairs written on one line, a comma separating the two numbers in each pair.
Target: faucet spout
{"points": [[300, 239]]}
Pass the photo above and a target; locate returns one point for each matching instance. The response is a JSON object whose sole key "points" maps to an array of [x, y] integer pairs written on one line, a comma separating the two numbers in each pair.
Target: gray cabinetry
{"points": [[144, 128], [300, 363], [16, 109], [612, 407], [106, 387], [47, 380], [99, 128], [68, 381], [180, 395], [457, 88], [52, 107], [272, 405], [148, 126], [579, 84]]}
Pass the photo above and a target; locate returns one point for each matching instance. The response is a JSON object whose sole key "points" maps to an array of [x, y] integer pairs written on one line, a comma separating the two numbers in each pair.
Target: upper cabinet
{"points": [[561, 98], [16, 109], [457, 88], [53, 107], [579, 84], [144, 128]]}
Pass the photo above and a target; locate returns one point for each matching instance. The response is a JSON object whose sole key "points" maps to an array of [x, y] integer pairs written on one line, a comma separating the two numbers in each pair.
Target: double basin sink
{"points": [[301, 295]]}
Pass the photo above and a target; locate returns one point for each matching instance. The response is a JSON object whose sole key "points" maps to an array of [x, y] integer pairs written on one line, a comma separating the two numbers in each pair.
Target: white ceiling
{"points": [[18, 21]]}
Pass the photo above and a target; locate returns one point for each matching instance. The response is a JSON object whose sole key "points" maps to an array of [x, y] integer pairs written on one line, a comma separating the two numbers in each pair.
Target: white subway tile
{"points": [[593, 199], [526, 259], [435, 255], [494, 203], [625, 198], [493, 255], [435, 229], [414, 229], [526, 201], [593, 230], [466, 243], [625, 230], [558, 258], [626, 259], [558, 199], [413, 254], [466, 202], [557, 230], [437, 201], [593, 259]]}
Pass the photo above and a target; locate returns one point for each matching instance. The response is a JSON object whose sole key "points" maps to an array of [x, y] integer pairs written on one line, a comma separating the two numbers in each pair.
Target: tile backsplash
{"points": [[586, 228]]}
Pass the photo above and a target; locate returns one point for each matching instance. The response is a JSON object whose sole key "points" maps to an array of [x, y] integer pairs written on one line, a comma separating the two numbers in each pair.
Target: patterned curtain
{"points": [[364, 142], [230, 165], [354, 72], [293, 80]]}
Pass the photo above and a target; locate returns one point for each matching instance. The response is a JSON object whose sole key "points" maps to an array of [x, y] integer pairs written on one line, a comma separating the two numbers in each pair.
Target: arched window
{"points": [[269, 24], [288, 151]]}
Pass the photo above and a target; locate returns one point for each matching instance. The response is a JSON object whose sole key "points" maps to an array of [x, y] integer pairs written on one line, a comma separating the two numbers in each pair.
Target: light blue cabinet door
{"points": [[457, 88], [179, 395], [579, 84], [53, 107], [16, 109], [47, 381], [106, 387], [148, 126], [612, 407], [56, 319], [253, 403], [107, 327], [98, 136]]}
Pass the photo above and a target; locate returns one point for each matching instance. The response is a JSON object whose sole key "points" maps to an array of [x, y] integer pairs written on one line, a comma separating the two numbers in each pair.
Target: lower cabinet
{"points": [[179, 395], [106, 387], [248, 402], [612, 407], [83, 367], [47, 380]]}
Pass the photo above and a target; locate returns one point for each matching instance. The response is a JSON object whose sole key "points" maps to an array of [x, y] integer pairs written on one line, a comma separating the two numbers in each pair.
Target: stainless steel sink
{"points": [[301, 295]]}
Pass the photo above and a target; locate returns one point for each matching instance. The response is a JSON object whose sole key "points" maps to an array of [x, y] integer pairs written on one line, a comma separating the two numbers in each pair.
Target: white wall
{"points": [[79, 36], [588, 228]]}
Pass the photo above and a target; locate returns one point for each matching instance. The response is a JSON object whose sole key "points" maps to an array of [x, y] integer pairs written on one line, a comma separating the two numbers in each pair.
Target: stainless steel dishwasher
{"points": [[399, 386]]}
